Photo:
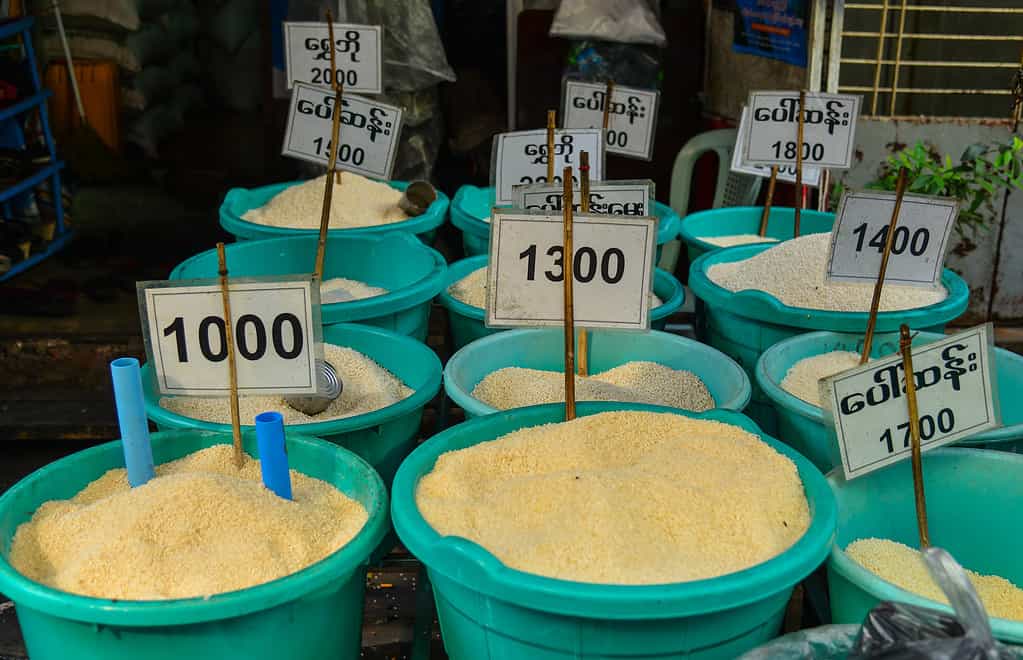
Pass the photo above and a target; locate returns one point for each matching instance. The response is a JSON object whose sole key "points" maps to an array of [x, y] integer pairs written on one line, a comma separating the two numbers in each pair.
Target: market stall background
{"points": [[182, 96]]}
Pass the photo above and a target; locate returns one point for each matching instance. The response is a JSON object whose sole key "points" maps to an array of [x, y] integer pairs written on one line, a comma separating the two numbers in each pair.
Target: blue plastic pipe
{"points": [[131, 417], [273, 456]]}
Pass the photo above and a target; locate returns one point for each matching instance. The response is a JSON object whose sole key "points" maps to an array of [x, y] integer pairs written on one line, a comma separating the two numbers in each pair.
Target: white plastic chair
{"points": [[731, 189]]}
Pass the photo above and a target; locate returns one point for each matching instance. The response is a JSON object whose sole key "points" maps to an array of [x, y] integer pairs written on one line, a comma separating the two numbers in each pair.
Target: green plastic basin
{"points": [[472, 205], [744, 324], [240, 201], [972, 495], [411, 272], [746, 220], [315, 613], [544, 348], [488, 610], [467, 322], [382, 437], [803, 425]]}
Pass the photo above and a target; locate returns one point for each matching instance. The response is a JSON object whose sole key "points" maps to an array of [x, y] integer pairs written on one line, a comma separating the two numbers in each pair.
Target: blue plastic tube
{"points": [[273, 456], [131, 417]]}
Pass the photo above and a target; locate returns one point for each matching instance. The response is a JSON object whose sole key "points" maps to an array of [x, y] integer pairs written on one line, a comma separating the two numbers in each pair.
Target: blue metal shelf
{"points": [[32, 181], [25, 104], [13, 27], [56, 244]]}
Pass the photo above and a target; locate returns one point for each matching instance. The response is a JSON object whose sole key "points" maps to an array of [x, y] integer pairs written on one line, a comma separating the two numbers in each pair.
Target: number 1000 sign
{"points": [[585, 265], [250, 337]]}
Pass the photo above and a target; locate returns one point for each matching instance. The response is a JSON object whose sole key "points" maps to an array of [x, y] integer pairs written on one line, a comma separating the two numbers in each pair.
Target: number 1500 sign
{"points": [[275, 328]]}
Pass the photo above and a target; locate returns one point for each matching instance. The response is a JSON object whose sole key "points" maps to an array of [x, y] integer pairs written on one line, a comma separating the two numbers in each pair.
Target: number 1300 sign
{"points": [[275, 328]]}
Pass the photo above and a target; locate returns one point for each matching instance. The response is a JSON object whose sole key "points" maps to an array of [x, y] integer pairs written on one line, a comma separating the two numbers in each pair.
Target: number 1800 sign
{"points": [[275, 329]]}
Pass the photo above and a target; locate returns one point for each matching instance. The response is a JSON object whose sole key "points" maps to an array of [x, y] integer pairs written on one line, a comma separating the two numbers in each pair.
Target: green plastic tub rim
{"points": [[418, 399], [398, 299], [663, 281], [467, 219], [181, 611], [689, 237], [467, 402], [762, 306], [470, 564], [1003, 629], [239, 201], [794, 404]]}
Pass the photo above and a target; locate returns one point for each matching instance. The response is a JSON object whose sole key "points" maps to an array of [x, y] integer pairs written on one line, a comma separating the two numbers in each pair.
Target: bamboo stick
{"points": [[232, 366]]}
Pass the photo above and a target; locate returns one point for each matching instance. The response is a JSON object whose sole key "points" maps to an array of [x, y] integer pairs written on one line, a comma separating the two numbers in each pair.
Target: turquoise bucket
{"points": [[315, 613], [487, 609], [467, 325], [471, 205], [744, 324], [746, 220], [544, 348], [804, 426], [384, 437], [411, 272], [240, 201], [970, 493]]}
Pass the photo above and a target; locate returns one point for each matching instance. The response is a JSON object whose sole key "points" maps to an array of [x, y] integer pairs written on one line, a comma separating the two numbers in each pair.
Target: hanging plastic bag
{"points": [[896, 631], [625, 21]]}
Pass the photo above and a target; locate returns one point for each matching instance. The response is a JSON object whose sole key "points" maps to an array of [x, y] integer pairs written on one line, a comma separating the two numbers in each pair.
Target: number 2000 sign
{"points": [[249, 350], [584, 265]]}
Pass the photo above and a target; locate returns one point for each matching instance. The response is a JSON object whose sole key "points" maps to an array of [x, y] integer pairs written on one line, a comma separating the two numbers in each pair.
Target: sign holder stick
{"points": [[768, 200], [328, 191], [607, 105], [569, 302], [875, 302], [552, 116], [232, 366], [799, 161], [906, 349], [584, 207], [333, 73]]}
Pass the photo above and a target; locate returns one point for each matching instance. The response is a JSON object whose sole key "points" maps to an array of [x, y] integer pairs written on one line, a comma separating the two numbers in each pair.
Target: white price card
{"points": [[521, 158], [828, 130], [786, 173], [956, 397], [606, 198], [369, 131], [357, 56], [918, 246], [613, 270], [276, 332], [632, 117]]}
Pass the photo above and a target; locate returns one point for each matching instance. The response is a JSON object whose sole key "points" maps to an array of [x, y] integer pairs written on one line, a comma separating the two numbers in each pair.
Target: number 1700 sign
{"points": [[275, 329]]}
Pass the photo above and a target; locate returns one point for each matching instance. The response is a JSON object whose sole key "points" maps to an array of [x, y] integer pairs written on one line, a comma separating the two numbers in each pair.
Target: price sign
{"points": [[276, 328], [955, 391], [632, 117], [606, 198], [357, 56], [786, 173], [918, 247], [521, 158], [613, 268], [369, 131], [828, 130]]}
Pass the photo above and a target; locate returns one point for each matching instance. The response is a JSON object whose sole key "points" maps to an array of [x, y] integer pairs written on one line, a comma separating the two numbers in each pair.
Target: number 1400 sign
{"points": [[275, 328]]}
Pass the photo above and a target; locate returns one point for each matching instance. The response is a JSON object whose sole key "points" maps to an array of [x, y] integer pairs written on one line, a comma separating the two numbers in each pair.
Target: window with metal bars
{"points": [[957, 58]]}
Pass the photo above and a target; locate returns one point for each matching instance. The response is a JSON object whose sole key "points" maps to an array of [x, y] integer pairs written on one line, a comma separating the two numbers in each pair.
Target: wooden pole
{"points": [[799, 161], [328, 191], [905, 347], [584, 207], [552, 117], [232, 367], [608, 93], [766, 213], [333, 70], [569, 302], [875, 302]]}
